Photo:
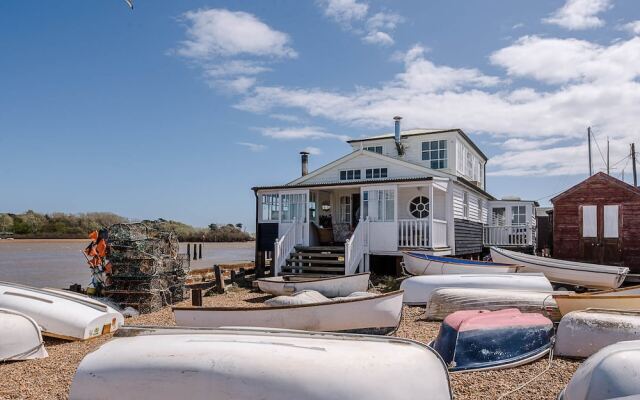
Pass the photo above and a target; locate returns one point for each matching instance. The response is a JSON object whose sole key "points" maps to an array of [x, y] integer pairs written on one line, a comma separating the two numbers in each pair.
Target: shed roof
{"points": [[602, 177]]}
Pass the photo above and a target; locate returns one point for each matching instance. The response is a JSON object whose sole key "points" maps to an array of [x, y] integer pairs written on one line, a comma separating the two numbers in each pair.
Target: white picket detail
{"points": [[508, 235], [284, 245], [413, 233], [355, 247]]}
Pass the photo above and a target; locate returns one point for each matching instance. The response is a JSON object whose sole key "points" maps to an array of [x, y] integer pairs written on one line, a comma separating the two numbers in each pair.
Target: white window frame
{"points": [[374, 149], [373, 170], [353, 171], [441, 160], [516, 212], [299, 207], [345, 209], [385, 208], [271, 207], [499, 221], [465, 204]]}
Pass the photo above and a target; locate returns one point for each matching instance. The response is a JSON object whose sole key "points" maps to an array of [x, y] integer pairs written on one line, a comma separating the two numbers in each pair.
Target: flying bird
{"points": [[129, 3]]}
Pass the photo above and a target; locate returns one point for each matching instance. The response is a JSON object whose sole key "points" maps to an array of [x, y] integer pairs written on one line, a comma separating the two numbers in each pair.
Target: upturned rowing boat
{"points": [[418, 289], [372, 314], [617, 299], [582, 333], [59, 313], [445, 301], [150, 363], [337, 286], [565, 272], [478, 340], [425, 264], [20, 337], [611, 373]]}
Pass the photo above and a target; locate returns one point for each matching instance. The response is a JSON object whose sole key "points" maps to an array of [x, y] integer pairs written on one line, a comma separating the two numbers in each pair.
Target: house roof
{"points": [[345, 183], [543, 211], [415, 132], [598, 176]]}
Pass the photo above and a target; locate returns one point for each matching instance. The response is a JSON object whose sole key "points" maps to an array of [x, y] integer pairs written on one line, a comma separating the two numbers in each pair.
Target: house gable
{"points": [[603, 179], [362, 160]]}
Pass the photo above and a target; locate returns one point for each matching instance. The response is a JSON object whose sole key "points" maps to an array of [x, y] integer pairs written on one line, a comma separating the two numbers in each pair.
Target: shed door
{"points": [[600, 241]]}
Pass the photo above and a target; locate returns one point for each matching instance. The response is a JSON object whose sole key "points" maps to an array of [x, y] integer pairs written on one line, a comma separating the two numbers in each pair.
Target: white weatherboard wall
{"points": [[476, 214]]}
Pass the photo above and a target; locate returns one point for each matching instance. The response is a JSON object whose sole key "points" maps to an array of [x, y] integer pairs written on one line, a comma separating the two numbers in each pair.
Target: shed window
{"points": [[435, 152], [611, 221], [270, 207], [518, 215], [589, 221]]}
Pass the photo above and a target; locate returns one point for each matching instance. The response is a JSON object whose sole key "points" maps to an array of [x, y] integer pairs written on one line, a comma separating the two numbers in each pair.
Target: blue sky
{"points": [[177, 108]]}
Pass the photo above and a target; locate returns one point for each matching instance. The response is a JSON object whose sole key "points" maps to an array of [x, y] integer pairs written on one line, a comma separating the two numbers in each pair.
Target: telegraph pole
{"points": [[633, 164], [608, 171], [589, 141]]}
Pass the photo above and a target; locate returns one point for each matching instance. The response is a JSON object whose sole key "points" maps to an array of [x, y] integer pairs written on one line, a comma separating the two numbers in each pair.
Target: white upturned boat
{"points": [[618, 299], [445, 301], [59, 313], [20, 337], [337, 286], [418, 289], [566, 272], [582, 333], [374, 314], [239, 363], [611, 373], [424, 264]]}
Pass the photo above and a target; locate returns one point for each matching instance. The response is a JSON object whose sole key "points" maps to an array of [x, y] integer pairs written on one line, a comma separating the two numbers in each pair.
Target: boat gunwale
{"points": [[613, 290], [96, 305], [596, 310], [621, 271], [311, 279], [591, 297], [324, 303], [445, 260]]}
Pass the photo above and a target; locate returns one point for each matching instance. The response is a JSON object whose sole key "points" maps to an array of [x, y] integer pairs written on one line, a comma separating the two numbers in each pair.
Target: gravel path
{"points": [[50, 378]]}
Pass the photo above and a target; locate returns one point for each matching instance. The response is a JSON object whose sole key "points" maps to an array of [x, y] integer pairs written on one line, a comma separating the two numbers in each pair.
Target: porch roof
{"points": [[345, 183]]}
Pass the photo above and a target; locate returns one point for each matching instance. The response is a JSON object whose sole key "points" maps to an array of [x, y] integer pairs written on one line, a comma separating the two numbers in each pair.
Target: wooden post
{"points": [[189, 250], [196, 297], [259, 264], [608, 170], [219, 279], [195, 252], [200, 251], [589, 141], [633, 164]]}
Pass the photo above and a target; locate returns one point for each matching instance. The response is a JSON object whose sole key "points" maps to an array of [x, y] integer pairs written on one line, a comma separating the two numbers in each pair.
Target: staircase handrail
{"points": [[284, 245], [355, 247]]}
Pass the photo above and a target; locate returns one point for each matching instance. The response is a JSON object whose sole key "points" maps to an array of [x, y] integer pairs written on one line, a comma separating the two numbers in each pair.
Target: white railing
{"points": [[355, 247], [439, 236], [284, 245], [509, 235], [413, 233]]}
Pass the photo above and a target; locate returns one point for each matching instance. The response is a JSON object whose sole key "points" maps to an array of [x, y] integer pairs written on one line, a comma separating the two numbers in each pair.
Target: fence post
{"points": [[200, 251], [189, 250], [196, 297], [219, 279]]}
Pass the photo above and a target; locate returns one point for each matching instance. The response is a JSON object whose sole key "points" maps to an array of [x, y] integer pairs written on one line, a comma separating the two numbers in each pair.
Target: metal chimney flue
{"points": [[304, 158], [397, 119]]}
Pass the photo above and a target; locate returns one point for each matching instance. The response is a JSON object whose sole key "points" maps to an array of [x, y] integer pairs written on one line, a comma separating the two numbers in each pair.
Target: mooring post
{"points": [[219, 279], [200, 252], [196, 297], [195, 252], [189, 250]]}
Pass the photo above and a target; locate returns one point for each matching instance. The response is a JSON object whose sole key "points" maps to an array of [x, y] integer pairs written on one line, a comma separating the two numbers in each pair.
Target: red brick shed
{"points": [[598, 221]]}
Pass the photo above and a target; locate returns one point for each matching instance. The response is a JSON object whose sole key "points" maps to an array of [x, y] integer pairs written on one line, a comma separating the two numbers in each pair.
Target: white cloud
{"points": [[306, 132], [231, 47], [219, 32], [255, 147], [286, 117], [344, 11], [313, 150], [579, 14], [632, 27], [354, 16], [557, 61], [585, 84], [518, 25]]}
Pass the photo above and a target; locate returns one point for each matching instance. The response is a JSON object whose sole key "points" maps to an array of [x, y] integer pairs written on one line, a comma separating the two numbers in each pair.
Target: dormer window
{"points": [[375, 149], [435, 152]]}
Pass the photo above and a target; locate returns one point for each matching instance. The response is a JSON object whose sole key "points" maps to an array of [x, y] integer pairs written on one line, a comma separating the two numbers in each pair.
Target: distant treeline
{"points": [[33, 225]]}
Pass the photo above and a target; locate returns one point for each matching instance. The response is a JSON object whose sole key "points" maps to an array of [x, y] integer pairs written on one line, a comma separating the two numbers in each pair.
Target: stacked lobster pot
{"points": [[147, 272]]}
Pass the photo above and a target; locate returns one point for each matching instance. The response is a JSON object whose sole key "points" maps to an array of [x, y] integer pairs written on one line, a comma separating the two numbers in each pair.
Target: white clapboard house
{"points": [[419, 189]]}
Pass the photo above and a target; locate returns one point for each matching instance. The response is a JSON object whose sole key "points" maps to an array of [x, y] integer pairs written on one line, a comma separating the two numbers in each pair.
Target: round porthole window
{"points": [[419, 207]]}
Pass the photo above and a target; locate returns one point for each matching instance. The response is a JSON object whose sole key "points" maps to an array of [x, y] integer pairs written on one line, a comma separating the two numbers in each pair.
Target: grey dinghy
{"points": [[377, 313], [149, 363], [568, 272], [335, 286], [449, 300], [582, 333]]}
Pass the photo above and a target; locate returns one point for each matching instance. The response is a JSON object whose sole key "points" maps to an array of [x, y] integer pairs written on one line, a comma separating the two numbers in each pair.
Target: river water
{"points": [[60, 263]]}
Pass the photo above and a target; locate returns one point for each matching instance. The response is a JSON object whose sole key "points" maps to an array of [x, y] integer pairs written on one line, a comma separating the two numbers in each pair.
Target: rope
{"points": [[549, 365]]}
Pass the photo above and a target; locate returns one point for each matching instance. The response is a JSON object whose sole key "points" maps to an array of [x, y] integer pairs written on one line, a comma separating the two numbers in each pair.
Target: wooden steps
{"points": [[315, 260]]}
